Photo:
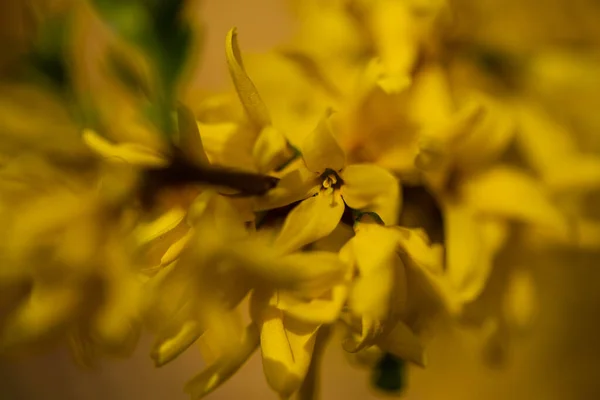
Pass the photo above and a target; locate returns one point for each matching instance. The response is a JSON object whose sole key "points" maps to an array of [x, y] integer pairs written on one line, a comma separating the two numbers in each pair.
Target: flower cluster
{"points": [[363, 182]]}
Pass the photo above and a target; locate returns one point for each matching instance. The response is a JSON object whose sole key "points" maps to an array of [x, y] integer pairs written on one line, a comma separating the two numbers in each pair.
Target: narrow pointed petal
{"points": [[220, 371], [368, 187], [253, 104], [321, 149], [129, 153], [311, 220], [190, 142]]}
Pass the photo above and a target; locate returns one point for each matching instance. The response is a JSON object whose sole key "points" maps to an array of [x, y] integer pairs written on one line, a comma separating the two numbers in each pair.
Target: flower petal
{"points": [[296, 185], [303, 273], [414, 243], [321, 150], [403, 343], [470, 248], [510, 193], [190, 142], [317, 311], [374, 249], [368, 187], [47, 309], [130, 153], [147, 232], [167, 349], [253, 104], [271, 150], [311, 220], [227, 365], [287, 346]]}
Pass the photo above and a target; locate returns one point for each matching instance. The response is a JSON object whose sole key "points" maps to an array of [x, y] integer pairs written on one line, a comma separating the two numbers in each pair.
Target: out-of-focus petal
{"points": [[227, 365], [403, 343], [130, 153], [167, 349], [303, 273], [147, 232], [368, 187], [507, 192], [317, 311], [469, 253]]}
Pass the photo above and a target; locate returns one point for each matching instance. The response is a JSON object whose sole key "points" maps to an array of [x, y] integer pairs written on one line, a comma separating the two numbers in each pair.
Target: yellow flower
{"points": [[569, 173], [386, 260], [325, 184], [69, 242], [292, 296], [479, 195]]}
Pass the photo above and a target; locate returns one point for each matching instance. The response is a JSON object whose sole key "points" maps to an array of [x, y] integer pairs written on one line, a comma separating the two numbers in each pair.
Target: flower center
{"points": [[331, 180]]}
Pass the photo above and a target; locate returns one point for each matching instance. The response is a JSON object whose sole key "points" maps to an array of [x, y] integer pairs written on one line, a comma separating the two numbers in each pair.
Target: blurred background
{"points": [[558, 359]]}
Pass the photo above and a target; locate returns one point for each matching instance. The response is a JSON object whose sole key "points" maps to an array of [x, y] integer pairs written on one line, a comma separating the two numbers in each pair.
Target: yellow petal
{"points": [[217, 373], [271, 150], [303, 273], [510, 193], [470, 248], [299, 184], [579, 173], [370, 330], [311, 220], [310, 387], [543, 141], [519, 305], [129, 153], [190, 142], [167, 349], [218, 138], [175, 250], [321, 150], [317, 311], [368, 187], [414, 243], [47, 309], [404, 344], [255, 108], [395, 37], [287, 346], [374, 249], [147, 232]]}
